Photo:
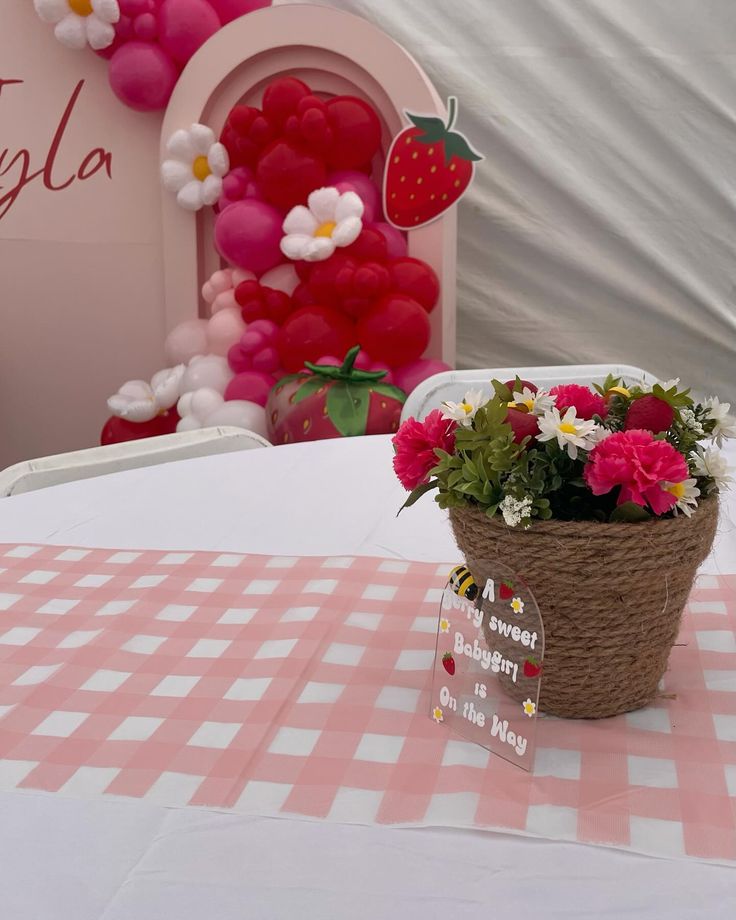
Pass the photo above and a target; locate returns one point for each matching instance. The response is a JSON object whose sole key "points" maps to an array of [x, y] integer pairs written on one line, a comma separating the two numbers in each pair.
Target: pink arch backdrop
{"points": [[334, 53]]}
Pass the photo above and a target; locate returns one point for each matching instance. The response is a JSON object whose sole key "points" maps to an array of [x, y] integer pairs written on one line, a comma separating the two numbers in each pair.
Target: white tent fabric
{"points": [[600, 228]]}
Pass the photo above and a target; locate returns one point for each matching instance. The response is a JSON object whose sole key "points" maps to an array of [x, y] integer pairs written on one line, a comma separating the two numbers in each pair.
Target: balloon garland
{"points": [[314, 270], [146, 42]]}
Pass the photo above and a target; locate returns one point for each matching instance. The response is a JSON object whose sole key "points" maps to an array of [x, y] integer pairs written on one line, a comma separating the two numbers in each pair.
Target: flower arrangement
{"points": [[616, 452]]}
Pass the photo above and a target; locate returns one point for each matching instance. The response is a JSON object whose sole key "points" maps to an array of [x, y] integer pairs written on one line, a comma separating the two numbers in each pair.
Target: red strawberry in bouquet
{"points": [[325, 401], [428, 168]]}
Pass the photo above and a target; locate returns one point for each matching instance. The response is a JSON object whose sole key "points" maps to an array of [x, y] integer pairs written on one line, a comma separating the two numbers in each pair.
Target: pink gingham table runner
{"points": [[300, 686]]}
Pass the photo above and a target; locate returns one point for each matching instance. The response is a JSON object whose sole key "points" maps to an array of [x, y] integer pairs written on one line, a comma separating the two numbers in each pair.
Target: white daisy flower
{"points": [[711, 463], [330, 220], [514, 510], [139, 401], [78, 23], [464, 412], [686, 493], [197, 162], [571, 432], [537, 403], [517, 605], [725, 424]]}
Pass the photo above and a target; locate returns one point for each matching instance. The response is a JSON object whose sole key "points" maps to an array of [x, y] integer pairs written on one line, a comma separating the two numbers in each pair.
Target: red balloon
{"points": [[330, 281], [281, 99], [371, 246], [117, 430], [356, 132], [396, 330], [312, 332], [417, 279], [286, 175]]}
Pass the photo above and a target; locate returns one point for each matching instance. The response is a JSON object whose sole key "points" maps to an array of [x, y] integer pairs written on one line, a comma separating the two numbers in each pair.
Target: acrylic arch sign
{"points": [[488, 663]]}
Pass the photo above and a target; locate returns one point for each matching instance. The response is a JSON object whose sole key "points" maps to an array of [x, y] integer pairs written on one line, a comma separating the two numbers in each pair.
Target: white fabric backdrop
{"points": [[601, 227]]}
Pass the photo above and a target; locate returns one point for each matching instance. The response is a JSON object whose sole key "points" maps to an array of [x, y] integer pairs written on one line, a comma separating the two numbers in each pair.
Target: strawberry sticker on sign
{"points": [[429, 167]]}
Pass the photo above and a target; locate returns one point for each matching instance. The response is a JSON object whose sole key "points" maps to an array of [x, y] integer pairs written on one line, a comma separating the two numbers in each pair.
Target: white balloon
{"points": [[282, 278], [205, 402], [241, 414], [210, 371], [188, 423]]}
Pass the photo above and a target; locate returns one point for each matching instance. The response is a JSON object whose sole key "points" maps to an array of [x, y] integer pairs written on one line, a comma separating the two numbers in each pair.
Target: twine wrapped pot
{"points": [[610, 595]]}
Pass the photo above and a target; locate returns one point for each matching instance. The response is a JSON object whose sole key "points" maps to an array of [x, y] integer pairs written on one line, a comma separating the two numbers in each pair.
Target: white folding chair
{"points": [[98, 461], [452, 385]]}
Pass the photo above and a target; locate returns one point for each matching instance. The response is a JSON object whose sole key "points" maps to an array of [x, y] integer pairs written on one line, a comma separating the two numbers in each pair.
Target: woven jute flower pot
{"points": [[610, 595]]}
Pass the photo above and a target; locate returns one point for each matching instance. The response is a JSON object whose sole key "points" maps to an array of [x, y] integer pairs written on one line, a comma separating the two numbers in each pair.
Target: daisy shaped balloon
{"points": [[139, 401], [78, 23], [196, 165], [330, 220]]}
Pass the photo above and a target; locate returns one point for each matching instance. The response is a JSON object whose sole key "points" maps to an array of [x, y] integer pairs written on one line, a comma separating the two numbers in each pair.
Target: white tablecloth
{"points": [[65, 859]]}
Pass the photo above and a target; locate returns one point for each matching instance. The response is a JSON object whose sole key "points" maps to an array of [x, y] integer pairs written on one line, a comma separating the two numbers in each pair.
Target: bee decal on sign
{"points": [[463, 583]]}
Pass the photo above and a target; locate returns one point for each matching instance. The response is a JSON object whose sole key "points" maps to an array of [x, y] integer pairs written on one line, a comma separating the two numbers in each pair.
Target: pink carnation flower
{"points": [[415, 443], [586, 402], [639, 464]]}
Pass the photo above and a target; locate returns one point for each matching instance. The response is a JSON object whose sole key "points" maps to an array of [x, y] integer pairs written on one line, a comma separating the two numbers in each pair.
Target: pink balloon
{"points": [[142, 76], [185, 25], [330, 360], [228, 10], [238, 184], [248, 234], [252, 386], [409, 376], [185, 341], [396, 240], [381, 366], [224, 330], [363, 361], [365, 188]]}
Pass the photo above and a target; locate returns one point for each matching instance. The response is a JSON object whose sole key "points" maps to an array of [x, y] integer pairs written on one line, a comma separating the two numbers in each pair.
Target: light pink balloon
{"points": [[282, 278], [185, 341], [409, 376], [396, 240], [248, 234], [224, 330], [364, 187], [142, 76], [219, 291], [184, 26]]}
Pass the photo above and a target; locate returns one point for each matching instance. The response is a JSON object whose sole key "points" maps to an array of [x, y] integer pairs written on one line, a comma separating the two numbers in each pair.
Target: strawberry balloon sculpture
{"points": [[326, 401]]}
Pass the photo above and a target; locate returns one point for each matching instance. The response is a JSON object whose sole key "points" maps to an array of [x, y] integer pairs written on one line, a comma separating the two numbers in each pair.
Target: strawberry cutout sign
{"points": [[429, 167]]}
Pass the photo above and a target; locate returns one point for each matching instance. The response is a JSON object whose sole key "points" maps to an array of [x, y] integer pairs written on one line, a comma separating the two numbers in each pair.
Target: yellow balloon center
{"points": [[201, 168], [81, 7], [325, 229], [466, 407], [567, 428]]}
